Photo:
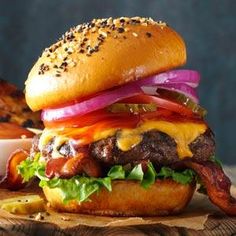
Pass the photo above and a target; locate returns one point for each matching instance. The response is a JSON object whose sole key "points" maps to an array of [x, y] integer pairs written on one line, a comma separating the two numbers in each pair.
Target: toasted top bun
{"points": [[99, 55]]}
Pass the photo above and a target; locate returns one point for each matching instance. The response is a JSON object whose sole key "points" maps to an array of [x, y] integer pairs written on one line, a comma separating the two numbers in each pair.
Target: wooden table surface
{"points": [[217, 224]]}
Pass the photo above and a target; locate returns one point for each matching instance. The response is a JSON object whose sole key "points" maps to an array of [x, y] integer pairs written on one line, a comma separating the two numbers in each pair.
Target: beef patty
{"points": [[155, 146]]}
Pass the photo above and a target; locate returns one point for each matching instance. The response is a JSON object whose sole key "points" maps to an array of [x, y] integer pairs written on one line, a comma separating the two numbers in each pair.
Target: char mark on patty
{"points": [[155, 146]]}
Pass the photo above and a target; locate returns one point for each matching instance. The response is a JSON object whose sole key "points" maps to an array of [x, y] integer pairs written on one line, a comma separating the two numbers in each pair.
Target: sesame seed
{"points": [[78, 40], [70, 50], [53, 55], [60, 56], [120, 30], [104, 34], [72, 64]]}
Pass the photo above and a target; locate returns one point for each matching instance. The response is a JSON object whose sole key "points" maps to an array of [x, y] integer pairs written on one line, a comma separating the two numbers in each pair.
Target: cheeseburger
{"points": [[124, 132]]}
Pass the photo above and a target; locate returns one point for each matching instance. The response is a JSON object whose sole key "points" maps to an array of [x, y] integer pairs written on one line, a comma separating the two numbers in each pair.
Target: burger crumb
{"points": [[39, 217], [65, 218], [149, 35]]}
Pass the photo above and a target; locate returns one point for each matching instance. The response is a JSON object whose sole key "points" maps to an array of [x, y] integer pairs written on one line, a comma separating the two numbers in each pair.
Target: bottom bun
{"points": [[128, 198]]}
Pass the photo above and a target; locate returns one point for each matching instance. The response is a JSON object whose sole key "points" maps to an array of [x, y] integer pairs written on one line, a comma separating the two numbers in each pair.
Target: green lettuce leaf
{"points": [[116, 172], [30, 168], [149, 176], [136, 173], [80, 188], [184, 177]]}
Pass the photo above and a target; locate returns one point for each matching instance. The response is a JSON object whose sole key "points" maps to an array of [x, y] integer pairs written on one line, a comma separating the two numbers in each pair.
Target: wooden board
{"points": [[216, 224]]}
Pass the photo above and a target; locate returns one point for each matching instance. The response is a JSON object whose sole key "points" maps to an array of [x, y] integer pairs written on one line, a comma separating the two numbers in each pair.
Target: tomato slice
{"points": [[93, 118], [165, 108]]}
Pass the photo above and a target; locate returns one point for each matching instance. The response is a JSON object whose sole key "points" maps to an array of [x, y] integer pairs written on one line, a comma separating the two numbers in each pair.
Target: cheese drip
{"points": [[182, 132]]}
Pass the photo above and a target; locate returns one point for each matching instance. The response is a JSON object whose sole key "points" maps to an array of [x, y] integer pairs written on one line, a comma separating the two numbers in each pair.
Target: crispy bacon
{"points": [[216, 183], [54, 166], [12, 179], [69, 167]]}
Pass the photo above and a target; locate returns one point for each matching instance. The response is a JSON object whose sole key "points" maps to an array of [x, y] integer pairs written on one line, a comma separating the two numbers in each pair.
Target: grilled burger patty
{"points": [[155, 146]]}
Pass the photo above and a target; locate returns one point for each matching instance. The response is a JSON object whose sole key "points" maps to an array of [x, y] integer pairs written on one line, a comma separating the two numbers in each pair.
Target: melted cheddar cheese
{"points": [[182, 132]]}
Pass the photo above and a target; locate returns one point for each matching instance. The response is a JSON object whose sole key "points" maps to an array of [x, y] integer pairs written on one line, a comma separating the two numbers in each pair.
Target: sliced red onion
{"points": [[189, 77], [182, 81], [180, 88], [98, 102]]}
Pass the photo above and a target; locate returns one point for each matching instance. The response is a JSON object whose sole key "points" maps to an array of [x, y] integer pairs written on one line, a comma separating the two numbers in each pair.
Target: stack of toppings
{"points": [[120, 119]]}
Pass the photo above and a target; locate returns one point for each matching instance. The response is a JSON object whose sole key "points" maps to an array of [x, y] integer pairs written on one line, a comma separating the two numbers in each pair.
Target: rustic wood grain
{"points": [[216, 225]]}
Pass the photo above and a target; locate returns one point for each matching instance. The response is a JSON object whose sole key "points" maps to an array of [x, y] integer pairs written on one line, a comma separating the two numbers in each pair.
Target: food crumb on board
{"points": [[39, 216], [65, 218]]}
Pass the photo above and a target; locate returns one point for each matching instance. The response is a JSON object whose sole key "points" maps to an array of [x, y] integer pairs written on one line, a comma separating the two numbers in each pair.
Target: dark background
{"points": [[208, 27]]}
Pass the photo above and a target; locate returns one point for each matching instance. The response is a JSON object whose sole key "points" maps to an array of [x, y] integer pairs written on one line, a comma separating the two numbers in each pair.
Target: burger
{"points": [[124, 132]]}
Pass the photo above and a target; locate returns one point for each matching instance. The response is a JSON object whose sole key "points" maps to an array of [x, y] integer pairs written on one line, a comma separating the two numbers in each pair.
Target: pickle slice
{"points": [[182, 99], [23, 204], [132, 108]]}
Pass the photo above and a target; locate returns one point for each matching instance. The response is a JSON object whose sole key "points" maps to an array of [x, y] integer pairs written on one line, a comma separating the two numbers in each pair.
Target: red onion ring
{"points": [[98, 102], [189, 77], [183, 81]]}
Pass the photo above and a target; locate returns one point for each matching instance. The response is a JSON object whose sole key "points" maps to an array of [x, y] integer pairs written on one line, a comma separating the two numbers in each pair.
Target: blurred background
{"points": [[208, 27]]}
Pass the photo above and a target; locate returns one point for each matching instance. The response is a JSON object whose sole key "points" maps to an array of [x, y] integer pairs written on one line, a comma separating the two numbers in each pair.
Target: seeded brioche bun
{"points": [[128, 198], [100, 55]]}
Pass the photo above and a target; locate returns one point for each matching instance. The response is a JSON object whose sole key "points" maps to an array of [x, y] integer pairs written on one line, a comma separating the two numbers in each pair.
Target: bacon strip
{"points": [[69, 167], [216, 183], [12, 179]]}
